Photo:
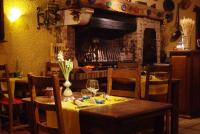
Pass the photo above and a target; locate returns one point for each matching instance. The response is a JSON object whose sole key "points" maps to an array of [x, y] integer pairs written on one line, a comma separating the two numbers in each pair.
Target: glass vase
{"points": [[186, 40], [67, 94]]}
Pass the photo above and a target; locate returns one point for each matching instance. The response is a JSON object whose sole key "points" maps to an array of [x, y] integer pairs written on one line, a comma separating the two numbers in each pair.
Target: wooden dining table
{"points": [[152, 111], [124, 118], [119, 114]]}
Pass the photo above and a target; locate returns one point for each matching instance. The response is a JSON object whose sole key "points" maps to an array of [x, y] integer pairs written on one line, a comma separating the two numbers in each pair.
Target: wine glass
{"points": [[86, 93], [92, 85]]}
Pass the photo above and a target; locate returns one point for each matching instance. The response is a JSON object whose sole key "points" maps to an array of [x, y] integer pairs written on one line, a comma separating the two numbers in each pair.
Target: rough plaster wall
{"points": [[25, 43]]}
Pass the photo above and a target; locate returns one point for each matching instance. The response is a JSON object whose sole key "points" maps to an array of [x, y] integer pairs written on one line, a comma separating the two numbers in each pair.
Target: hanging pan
{"points": [[177, 32]]}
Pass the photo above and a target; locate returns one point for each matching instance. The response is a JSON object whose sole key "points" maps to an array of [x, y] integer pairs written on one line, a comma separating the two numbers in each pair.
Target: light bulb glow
{"points": [[14, 14]]}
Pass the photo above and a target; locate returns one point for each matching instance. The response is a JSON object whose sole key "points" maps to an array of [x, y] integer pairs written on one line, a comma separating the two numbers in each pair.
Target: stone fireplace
{"points": [[123, 46], [132, 40]]}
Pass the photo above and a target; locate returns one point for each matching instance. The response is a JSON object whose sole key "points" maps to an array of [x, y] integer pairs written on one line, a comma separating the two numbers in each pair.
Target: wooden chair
{"points": [[164, 73], [127, 65], [36, 84], [52, 68], [8, 101], [131, 75]]}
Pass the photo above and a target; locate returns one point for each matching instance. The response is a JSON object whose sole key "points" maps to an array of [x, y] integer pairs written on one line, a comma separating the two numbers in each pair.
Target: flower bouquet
{"points": [[187, 25], [66, 67]]}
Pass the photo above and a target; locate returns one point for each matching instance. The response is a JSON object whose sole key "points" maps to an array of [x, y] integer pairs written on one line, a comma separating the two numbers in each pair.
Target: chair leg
{"points": [[167, 123], [0, 119], [10, 119]]}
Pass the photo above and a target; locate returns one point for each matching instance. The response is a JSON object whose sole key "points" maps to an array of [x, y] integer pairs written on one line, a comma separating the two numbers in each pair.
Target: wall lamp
{"points": [[14, 14]]}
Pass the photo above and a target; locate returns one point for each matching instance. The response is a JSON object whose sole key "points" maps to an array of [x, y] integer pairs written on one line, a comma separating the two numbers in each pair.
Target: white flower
{"points": [[69, 63], [60, 56], [65, 65]]}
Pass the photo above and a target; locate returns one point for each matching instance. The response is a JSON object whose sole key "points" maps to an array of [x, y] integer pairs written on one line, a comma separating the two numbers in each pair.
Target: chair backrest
{"points": [[52, 68], [36, 84], [4, 78], [130, 76], [164, 74], [127, 65], [4, 70]]}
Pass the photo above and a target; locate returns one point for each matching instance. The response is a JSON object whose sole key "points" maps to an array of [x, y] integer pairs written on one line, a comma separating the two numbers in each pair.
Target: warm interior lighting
{"points": [[14, 14]]}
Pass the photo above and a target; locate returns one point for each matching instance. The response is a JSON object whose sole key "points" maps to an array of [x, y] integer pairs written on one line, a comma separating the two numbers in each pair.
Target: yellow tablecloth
{"points": [[71, 113], [12, 84], [154, 89]]}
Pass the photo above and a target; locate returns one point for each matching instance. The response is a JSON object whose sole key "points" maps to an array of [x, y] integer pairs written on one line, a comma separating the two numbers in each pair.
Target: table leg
{"points": [[174, 111], [30, 118], [159, 126]]}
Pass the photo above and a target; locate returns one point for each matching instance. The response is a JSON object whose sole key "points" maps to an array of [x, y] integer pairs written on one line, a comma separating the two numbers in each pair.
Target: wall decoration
{"points": [[168, 5]]}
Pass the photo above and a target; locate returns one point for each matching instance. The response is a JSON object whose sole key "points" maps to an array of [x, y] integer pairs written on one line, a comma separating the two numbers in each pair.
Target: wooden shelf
{"points": [[123, 6]]}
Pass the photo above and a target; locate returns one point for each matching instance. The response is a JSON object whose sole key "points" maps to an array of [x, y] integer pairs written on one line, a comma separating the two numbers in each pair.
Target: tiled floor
{"points": [[186, 126], [189, 126]]}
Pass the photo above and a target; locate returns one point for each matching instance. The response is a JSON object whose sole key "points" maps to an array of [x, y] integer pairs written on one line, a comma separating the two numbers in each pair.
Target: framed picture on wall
{"points": [[2, 34]]}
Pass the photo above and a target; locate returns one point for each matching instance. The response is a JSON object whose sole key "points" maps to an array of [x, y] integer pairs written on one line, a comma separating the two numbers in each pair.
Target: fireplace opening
{"points": [[102, 42], [99, 47], [149, 46], [103, 48]]}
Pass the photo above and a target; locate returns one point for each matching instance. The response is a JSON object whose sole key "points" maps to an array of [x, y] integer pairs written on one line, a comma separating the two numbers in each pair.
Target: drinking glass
{"points": [[86, 94], [92, 85]]}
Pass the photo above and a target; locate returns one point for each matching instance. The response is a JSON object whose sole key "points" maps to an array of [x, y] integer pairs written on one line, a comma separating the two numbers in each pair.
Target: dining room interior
{"points": [[81, 53]]}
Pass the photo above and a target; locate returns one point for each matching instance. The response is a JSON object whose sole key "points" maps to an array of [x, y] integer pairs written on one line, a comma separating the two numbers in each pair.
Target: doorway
{"points": [[149, 46]]}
